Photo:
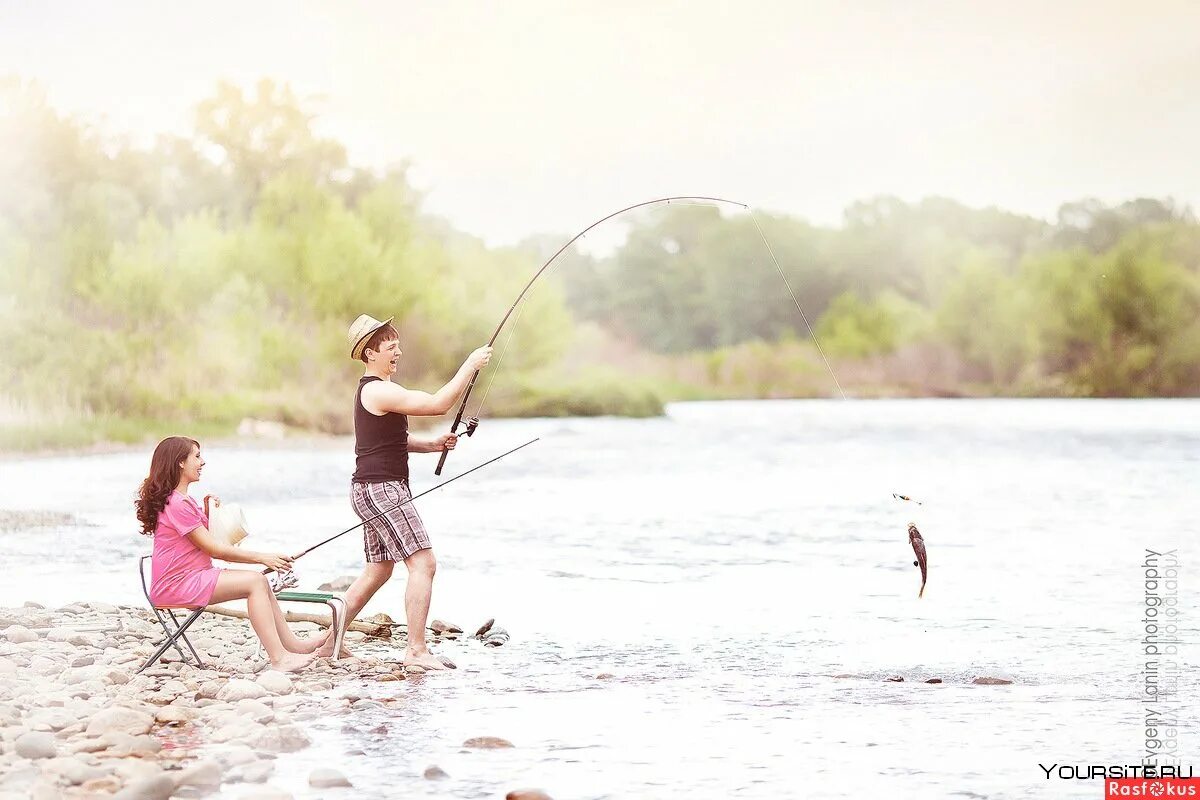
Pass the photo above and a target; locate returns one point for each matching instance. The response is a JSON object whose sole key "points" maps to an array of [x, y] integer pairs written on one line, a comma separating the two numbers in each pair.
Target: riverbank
{"points": [[77, 721]]}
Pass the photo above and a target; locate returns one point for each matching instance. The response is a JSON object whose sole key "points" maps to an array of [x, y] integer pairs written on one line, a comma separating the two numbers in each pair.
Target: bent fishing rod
{"points": [[409, 500], [473, 422]]}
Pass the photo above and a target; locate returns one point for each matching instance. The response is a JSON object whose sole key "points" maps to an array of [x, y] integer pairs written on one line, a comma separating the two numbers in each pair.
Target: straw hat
{"points": [[361, 330], [227, 523]]}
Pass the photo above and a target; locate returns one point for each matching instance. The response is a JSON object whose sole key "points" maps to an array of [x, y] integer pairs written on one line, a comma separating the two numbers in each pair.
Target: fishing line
{"points": [[700, 200]]}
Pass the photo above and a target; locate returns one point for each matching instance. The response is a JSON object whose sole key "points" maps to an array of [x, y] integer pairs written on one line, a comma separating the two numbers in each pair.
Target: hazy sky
{"points": [[524, 117]]}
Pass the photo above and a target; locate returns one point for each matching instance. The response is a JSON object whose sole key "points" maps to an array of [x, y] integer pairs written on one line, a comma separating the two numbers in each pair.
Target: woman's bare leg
{"points": [[239, 584], [290, 640]]}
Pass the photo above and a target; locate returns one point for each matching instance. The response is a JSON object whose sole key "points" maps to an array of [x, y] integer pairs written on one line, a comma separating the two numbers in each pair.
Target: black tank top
{"points": [[380, 442]]}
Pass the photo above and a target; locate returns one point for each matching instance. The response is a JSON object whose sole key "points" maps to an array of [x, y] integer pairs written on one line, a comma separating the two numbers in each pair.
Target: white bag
{"points": [[227, 523]]}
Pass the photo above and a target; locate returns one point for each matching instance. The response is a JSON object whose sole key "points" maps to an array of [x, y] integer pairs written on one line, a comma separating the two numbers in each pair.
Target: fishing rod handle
{"points": [[457, 421]]}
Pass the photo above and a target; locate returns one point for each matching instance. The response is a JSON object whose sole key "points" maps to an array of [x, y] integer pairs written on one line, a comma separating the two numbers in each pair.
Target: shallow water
{"points": [[724, 564]]}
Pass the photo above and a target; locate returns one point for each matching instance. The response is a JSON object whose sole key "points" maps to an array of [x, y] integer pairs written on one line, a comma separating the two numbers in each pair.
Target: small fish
{"points": [[918, 546], [905, 497]]}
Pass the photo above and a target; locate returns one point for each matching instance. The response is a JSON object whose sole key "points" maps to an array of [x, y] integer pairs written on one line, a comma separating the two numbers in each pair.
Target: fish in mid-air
{"points": [[918, 546]]}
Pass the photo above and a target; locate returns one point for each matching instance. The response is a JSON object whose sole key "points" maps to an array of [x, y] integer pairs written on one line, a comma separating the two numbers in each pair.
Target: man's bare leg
{"points": [[373, 576], [421, 568]]}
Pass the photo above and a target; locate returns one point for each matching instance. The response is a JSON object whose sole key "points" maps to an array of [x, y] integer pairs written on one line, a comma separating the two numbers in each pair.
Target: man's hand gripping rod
{"points": [[471, 424]]}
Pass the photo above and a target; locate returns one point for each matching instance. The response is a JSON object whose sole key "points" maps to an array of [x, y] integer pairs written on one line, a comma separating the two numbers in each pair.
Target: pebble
{"points": [[36, 744], [282, 739], [258, 772], [157, 787], [435, 773], [484, 628], [204, 774], [527, 794], [266, 793], [326, 778], [275, 682], [174, 715], [124, 720], [18, 634], [934, 680], [240, 689]]}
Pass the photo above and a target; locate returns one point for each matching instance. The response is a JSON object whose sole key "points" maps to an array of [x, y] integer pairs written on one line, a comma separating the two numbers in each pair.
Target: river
{"points": [[725, 563]]}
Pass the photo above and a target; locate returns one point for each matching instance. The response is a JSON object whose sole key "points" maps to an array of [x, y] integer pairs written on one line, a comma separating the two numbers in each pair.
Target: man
{"points": [[380, 482]]}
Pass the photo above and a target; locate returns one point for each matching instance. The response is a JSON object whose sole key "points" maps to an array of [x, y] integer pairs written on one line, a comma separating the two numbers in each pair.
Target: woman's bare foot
{"points": [[311, 644], [293, 662], [426, 659]]}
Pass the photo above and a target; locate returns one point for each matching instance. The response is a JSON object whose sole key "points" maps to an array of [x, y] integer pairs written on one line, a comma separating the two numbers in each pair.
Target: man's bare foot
{"points": [[293, 662], [427, 660]]}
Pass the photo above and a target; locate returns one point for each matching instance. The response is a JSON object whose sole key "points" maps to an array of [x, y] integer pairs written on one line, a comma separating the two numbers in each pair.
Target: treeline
{"points": [[210, 278], [1104, 302], [200, 279]]}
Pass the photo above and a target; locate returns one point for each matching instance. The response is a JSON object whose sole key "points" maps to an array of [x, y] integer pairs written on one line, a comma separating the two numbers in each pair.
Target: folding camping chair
{"points": [[336, 603], [164, 613]]}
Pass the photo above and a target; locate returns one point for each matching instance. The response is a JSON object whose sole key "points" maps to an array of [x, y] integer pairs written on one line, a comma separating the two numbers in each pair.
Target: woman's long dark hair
{"points": [[162, 480]]}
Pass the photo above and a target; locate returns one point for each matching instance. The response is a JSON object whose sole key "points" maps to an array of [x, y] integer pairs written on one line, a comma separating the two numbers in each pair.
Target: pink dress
{"points": [[181, 574]]}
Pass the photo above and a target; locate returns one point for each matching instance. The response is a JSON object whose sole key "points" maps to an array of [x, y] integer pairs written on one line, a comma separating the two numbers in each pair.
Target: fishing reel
{"points": [[278, 581], [471, 424]]}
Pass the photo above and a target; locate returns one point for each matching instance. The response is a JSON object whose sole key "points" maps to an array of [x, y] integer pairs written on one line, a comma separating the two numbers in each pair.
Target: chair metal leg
{"points": [[172, 638], [337, 608], [162, 620], [187, 641]]}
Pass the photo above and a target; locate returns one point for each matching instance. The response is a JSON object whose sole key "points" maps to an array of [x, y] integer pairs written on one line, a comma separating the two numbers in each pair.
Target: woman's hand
{"points": [[479, 358], [446, 441], [276, 561]]}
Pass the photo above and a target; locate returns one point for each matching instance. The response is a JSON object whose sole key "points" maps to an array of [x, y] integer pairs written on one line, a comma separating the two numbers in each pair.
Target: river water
{"points": [[725, 564]]}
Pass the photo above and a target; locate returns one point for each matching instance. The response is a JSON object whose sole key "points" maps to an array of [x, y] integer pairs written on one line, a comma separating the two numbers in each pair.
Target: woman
{"points": [[183, 574]]}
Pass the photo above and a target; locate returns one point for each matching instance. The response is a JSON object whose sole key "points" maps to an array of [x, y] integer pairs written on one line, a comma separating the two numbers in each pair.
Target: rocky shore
{"points": [[77, 722]]}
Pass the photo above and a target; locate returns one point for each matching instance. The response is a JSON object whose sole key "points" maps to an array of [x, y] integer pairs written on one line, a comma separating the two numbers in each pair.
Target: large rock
{"points": [[275, 682], [527, 794], [985, 681], [337, 584], [119, 720], [240, 689], [36, 744], [326, 778]]}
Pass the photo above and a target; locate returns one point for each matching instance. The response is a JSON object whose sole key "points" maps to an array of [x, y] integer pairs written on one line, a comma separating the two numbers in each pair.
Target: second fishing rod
{"points": [[403, 502]]}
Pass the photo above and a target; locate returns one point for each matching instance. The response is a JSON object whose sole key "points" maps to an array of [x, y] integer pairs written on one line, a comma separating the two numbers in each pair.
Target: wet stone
{"points": [[487, 743]]}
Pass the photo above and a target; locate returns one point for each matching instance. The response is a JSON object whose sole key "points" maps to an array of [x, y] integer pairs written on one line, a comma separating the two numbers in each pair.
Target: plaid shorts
{"points": [[397, 532]]}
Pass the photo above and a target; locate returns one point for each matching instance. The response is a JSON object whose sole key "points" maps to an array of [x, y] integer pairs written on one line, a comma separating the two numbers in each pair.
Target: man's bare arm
{"points": [[385, 396]]}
